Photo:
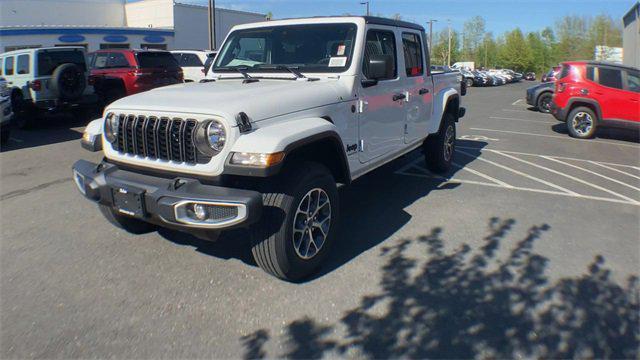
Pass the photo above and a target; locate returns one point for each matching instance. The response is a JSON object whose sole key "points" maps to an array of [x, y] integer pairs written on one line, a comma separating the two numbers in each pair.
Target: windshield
{"points": [[309, 48], [49, 60]]}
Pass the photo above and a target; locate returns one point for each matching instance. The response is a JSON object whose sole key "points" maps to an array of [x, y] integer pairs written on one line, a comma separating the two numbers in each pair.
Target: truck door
{"points": [[382, 106], [418, 85]]}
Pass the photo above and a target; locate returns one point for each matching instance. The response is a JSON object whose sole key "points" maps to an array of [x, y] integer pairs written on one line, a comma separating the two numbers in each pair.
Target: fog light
{"points": [[199, 212], [79, 180], [209, 214]]}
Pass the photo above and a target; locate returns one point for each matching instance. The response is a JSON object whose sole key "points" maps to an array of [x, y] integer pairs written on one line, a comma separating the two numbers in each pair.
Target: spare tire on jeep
{"points": [[68, 81]]}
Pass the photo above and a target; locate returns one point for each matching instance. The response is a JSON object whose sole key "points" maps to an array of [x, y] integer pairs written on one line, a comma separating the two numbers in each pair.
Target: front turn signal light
{"points": [[257, 159]]}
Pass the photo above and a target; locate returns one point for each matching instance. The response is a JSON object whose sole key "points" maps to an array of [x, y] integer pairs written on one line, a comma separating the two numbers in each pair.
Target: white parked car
{"points": [[47, 79], [194, 63], [292, 108], [6, 113]]}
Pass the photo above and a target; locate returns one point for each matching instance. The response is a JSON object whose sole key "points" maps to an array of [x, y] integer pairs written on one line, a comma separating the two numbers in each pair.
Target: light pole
{"points": [[366, 3], [431, 21], [212, 28], [449, 48]]}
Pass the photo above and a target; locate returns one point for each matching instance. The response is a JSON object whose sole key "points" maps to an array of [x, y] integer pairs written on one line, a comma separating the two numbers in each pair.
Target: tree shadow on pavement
{"points": [[475, 303], [371, 210]]}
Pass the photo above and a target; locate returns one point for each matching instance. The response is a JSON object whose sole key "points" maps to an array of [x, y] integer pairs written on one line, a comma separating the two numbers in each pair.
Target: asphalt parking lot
{"points": [[530, 246]]}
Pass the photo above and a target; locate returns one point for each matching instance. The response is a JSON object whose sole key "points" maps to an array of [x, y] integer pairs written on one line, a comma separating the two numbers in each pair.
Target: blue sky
{"points": [[500, 15]]}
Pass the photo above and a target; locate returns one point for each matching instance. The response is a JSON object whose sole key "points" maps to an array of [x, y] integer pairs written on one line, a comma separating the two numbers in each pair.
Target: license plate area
{"points": [[129, 201]]}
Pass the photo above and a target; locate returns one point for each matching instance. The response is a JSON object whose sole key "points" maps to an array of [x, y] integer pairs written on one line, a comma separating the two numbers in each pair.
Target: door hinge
{"points": [[361, 146], [405, 129]]}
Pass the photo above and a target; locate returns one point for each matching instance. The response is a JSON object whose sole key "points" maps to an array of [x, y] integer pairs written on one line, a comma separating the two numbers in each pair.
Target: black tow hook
{"points": [[176, 184]]}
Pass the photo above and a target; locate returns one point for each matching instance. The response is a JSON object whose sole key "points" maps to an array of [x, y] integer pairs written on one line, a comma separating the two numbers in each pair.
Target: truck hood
{"points": [[259, 100]]}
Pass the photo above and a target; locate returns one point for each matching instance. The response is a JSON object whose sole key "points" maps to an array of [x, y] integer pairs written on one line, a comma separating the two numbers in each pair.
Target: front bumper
{"points": [[162, 201], [530, 98]]}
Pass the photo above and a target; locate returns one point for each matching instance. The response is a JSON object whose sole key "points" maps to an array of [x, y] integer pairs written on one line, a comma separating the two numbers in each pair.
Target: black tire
{"points": [[469, 82], [68, 81], [544, 102], [128, 224], [272, 243], [440, 148], [22, 114], [582, 123], [5, 133]]}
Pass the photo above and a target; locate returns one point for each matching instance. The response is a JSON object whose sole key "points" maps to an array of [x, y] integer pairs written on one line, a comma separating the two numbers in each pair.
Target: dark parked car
{"points": [[541, 96], [530, 76]]}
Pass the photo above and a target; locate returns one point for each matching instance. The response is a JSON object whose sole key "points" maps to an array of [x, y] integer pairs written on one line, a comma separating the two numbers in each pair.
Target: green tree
{"points": [[440, 48], [473, 34], [515, 53], [487, 55]]}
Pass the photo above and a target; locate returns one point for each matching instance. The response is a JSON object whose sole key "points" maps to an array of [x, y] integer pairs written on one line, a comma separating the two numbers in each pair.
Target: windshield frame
{"points": [[350, 54]]}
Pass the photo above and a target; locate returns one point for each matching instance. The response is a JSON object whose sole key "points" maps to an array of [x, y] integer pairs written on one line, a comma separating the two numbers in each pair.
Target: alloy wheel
{"points": [[582, 123], [311, 223], [449, 142]]}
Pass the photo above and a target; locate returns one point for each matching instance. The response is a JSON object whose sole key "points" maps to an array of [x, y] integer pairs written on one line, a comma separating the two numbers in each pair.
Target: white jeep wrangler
{"points": [[290, 109]]}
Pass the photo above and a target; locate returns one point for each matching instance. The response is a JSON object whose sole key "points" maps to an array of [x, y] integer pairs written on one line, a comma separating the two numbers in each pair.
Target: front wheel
{"points": [[298, 224], [581, 123], [469, 83], [439, 148]]}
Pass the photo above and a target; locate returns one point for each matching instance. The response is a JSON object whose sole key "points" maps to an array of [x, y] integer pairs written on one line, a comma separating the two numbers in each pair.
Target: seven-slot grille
{"points": [[158, 138]]}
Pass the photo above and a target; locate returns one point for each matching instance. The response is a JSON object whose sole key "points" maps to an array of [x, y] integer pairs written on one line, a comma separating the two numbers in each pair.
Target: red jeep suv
{"points": [[591, 94], [117, 73]]}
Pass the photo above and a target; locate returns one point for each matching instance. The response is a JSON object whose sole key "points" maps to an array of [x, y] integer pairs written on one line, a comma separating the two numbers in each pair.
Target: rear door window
{"points": [[49, 60], [100, 60], [610, 77], [565, 71], [380, 42], [412, 54], [8, 65], [23, 64], [162, 60]]}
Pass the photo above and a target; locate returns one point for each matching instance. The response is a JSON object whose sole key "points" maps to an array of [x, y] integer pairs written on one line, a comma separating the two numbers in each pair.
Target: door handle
{"points": [[423, 91], [397, 97]]}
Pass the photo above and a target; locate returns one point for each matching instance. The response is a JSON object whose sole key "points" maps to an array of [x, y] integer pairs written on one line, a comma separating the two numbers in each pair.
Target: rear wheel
{"points": [[439, 148], [469, 82], [22, 114], [126, 223], [544, 103], [298, 222], [582, 123], [5, 132]]}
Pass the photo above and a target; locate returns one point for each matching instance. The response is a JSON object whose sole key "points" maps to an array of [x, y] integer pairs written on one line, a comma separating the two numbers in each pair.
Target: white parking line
{"points": [[591, 172], [569, 177], [599, 163], [498, 182], [516, 102], [557, 136], [521, 174], [427, 175], [553, 156], [523, 120], [524, 111]]}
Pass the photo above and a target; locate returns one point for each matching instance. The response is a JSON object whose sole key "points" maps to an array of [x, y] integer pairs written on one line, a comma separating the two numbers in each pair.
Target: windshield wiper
{"points": [[242, 70], [295, 70]]}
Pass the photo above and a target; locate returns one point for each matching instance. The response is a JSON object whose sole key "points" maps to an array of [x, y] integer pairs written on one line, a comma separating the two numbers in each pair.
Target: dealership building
{"points": [[108, 24], [631, 36]]}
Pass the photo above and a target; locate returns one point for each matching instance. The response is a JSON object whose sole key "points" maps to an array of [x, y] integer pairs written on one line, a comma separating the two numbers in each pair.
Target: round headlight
{"points": [[111, 127], [216, 136], [210, 137]]}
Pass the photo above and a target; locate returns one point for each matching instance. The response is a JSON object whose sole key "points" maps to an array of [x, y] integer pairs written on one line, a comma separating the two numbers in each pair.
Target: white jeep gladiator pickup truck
{"points": [[290, 109]]}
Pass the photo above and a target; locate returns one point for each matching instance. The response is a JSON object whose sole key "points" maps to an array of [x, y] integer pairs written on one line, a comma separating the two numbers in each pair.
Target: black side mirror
{"points": [[379, 67]]}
